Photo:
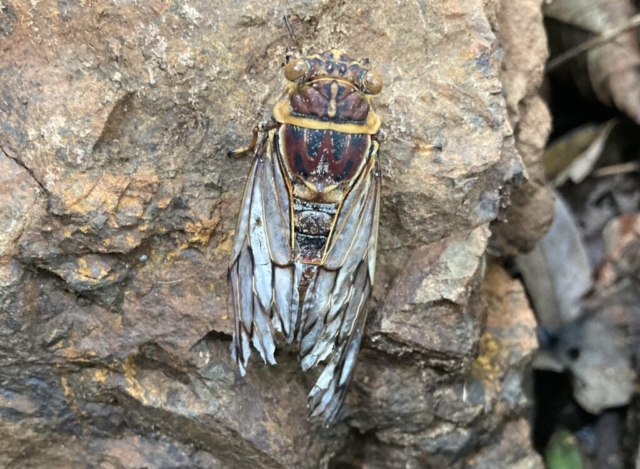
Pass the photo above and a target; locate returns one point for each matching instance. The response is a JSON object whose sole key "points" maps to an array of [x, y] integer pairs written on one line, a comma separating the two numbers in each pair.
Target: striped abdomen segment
{"points": [[313, 222]]}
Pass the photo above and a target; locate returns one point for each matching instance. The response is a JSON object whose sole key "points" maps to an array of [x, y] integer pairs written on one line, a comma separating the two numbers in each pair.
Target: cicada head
{"points": [[330, 91], [334, 64]]}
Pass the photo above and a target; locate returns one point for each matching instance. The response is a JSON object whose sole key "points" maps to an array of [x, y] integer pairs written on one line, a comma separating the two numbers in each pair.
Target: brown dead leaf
{"points": [[575, 154], [557, 272], [610, 71]]}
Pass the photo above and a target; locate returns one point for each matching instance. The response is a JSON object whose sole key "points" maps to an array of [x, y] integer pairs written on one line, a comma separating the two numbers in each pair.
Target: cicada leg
{"points": [[263, 127]]}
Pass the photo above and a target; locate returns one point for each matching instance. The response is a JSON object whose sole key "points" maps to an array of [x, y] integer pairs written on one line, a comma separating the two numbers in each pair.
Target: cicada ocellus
{"points": [[304, 256]]}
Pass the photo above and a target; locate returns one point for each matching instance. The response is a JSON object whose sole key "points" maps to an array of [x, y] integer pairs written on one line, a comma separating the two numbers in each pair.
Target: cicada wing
{"points": [[261, 257], [329, 392], [338, 296]]}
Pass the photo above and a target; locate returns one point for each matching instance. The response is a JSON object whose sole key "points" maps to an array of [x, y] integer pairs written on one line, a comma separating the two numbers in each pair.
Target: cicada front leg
{"points": [[263, 127]]}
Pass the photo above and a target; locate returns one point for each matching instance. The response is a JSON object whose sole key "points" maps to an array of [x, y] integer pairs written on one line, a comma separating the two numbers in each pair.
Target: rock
{"points": [[18, 195], [427, 308], [513, 450], [412, 414], [120, 205], [530, 211]]}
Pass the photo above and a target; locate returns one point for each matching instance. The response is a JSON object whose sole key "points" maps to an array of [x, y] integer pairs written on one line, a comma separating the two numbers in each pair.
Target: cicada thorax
{"points": [[324, 142], [321, 164]]}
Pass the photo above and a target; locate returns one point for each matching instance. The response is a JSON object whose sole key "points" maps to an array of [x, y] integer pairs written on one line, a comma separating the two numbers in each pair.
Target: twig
{"points": [[598, 41], [622, 168]]}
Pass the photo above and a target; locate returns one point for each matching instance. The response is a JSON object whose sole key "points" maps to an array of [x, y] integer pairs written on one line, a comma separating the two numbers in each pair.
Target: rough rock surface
{"points": [[118, 206], [530, 212], [417, 410]]}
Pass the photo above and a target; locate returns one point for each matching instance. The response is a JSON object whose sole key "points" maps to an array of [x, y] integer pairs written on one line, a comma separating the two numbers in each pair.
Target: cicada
{"points": [[304, 257]]}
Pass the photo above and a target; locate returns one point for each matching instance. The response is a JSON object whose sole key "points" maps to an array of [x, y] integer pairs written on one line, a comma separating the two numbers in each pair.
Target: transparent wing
{"points": [[335, 309], [260, 260]]}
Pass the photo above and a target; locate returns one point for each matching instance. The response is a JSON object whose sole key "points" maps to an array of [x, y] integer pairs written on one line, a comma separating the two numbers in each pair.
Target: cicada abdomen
{"points": [[303, 261]]}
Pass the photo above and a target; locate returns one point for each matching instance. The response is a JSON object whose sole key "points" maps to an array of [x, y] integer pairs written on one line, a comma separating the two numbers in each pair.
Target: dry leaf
{"points": [[557, 272], [598, 357], [616, 293], [598, 200], [593, 349], [574, 155], [596, 346], [610, 71]]}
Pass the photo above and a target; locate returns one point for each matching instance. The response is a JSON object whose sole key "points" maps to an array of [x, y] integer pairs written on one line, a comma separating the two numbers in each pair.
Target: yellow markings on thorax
{"points": [[332, 100], [307, 190]]}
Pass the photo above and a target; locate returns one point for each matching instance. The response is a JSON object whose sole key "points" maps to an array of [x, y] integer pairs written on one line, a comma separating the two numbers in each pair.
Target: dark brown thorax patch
{"points": [[323, 156]]}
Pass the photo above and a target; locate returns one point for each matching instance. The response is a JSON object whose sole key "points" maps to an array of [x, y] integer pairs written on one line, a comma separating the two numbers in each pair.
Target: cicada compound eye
{"points": [[296, 69], [372, 83]]}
